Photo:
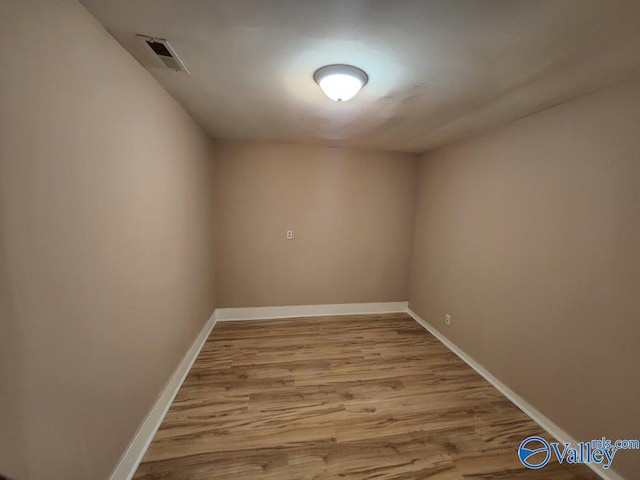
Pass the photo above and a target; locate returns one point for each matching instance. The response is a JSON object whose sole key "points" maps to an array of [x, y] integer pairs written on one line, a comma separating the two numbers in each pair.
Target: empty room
{"points": [[319, 239]]}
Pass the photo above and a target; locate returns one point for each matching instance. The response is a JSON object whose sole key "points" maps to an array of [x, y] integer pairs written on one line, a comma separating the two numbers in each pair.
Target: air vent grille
{"points": [[165, 52]]}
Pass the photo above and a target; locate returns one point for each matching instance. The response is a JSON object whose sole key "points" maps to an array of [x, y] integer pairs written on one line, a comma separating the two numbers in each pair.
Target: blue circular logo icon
{"points": [[534, 446]]}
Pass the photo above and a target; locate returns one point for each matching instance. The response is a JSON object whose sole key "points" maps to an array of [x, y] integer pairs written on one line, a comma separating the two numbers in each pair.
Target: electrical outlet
{"points": [[447, 319], [289, 234]]}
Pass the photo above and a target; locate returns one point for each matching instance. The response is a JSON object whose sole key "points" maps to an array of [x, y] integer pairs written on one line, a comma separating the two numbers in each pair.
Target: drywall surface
{"points": [[351, 213], [106, 264], [529, 237], [439, 70]]}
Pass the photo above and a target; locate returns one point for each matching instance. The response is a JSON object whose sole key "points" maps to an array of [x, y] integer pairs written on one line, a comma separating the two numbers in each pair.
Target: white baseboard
{"points": [[132, 457], [520, 402], [143, 437], [295, 311], [135, 451]]}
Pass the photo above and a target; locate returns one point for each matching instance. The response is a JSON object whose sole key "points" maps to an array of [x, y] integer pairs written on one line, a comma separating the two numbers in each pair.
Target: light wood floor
{"points": [[359, 397]]}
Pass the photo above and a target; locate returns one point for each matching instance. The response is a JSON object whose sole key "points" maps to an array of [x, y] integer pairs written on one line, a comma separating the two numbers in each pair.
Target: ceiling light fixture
{"points": [[340, 82]]}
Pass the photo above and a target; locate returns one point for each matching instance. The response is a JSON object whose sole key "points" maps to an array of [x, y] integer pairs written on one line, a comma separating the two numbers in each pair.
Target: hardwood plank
{"points": [[353, 397]]}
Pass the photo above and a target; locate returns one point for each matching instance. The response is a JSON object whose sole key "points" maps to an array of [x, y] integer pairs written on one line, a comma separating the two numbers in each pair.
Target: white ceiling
{"points": [[439, 70]]}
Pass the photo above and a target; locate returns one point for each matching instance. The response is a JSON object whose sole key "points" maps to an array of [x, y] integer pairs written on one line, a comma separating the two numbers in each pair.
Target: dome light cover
{"points": [[340, 82]]}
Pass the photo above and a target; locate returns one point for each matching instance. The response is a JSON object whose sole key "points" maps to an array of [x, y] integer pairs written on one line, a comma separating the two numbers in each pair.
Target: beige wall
{"points": [[351, 212], [529, 236], [105, 242]]}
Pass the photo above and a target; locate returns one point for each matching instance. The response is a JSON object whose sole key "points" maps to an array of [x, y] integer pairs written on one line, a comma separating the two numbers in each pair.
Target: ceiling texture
{"points": [[438, 70]]}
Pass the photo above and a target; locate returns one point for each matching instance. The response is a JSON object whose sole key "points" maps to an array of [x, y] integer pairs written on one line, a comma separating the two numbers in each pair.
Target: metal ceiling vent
{"points": [[165, 52]]}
